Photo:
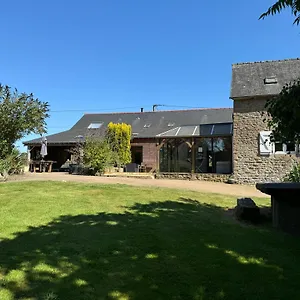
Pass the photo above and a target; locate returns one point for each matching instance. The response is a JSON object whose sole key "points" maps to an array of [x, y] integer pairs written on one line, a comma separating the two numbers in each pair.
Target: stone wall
{"points": [[190, 176], [248, 165]]}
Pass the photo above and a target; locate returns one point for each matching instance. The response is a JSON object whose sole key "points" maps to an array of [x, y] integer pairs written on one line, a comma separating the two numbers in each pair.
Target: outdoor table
{"points": [[285, 201], [42, 165]]}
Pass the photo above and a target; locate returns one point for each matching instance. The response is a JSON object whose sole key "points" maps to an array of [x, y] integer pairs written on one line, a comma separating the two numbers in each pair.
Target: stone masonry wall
{"points": [[248, 165], [198, 176]]}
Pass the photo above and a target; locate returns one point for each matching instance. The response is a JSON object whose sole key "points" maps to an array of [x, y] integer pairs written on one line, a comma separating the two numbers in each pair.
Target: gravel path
{"points": [[199, 186]]}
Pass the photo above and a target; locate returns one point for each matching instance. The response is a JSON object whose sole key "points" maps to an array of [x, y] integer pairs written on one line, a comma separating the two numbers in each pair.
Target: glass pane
{"points": [[206, 130], [222, 155], [163, 159], [186, 131], [176, 156], [278, 147], [203, 155], [95, 125], [216, 129], [222, 129], [290, 147], [167, 156], [184, 157]]}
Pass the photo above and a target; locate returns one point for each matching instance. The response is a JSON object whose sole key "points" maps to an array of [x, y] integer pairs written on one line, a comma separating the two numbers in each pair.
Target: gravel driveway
{"points": [[200, 186]]}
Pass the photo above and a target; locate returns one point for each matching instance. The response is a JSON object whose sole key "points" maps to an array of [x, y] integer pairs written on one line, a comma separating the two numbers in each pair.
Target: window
{"points": [[290, 147], [221, 129], [267, 147], [176, 156], [284, 148], [203, 155], [278, 147], [95, 125], [171, 124], [270, 80], [147, 125], [213, 155], [210, 155], [222, 155]]}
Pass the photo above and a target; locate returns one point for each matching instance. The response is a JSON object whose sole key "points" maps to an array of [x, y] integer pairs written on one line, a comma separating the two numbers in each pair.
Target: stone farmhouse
{"points": [[204, 144]]}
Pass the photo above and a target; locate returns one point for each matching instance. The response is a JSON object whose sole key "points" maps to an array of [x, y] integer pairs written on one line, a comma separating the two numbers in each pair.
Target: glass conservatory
{"points": [[197, 149]]}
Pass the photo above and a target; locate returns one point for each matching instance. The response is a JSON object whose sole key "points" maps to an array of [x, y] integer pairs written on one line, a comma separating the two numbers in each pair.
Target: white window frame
{"points": [[266, 139]]}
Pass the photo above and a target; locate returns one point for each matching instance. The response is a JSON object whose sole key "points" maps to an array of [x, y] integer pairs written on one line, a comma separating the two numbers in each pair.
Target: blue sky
{"points": [[121, 55]]}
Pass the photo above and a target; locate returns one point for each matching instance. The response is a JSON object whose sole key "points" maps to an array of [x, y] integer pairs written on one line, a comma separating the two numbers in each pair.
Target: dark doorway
{"points": [[137, 154]]}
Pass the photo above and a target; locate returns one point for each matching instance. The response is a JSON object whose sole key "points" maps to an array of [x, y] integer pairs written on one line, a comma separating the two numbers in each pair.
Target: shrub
{"points": [[293, 175], [12, 164], [98, 154]]}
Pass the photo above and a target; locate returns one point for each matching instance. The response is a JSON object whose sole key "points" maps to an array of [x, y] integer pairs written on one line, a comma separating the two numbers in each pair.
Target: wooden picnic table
{"points": [[41, 165]]}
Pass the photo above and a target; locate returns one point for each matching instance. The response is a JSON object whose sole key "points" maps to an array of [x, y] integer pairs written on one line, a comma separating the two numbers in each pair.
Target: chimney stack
{"points": [[142, 109]]}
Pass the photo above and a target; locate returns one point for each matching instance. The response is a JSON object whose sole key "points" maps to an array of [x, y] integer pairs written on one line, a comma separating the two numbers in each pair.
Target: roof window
{"points": [[270, 80], [147, 125], [95, 125], [171, 124]]}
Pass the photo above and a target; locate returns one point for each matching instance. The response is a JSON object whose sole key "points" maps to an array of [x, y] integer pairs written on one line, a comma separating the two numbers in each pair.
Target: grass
{"points": [[62, 241]]}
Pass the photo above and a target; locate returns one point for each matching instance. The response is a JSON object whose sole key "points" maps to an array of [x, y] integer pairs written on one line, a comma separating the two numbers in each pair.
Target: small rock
{"points": [[247, 210]]}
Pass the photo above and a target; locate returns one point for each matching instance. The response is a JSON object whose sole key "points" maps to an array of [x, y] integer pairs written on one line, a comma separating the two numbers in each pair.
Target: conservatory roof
{"points": [[204, 130]]}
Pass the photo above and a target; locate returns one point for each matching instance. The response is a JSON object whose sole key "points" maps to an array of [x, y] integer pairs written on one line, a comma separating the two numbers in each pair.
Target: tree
{"points": [[280, 5], [284, 113], [118, 137], [284, 110], [20, 114]]}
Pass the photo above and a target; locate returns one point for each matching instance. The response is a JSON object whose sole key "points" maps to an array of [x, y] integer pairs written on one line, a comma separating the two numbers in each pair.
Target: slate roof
{"points": [[144, 124], [248, 78]]}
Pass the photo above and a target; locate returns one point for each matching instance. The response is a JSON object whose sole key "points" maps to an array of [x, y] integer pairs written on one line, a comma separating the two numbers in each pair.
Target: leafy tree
{"points": [[118, 136], [20, 114], [284, 113], [280, 5], [284, 110], [98, 154]]}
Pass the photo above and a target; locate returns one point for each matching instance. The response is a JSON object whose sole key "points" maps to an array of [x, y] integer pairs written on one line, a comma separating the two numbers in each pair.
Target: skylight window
{"points": [[147, 125], [95, 125], [171, 124], [270, 80]]}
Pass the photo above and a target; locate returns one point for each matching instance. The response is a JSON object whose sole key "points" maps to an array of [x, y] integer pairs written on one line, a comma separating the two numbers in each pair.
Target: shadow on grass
{"points": [[162, 250]]}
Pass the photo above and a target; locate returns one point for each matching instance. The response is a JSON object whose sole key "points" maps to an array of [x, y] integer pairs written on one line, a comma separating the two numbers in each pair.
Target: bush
{"points": [[13, 163], [98, 155], [294, 175]]}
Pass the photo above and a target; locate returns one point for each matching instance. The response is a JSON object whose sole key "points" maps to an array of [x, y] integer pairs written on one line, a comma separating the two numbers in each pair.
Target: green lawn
{"points": [[68, 241]]}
